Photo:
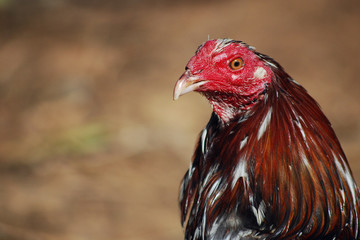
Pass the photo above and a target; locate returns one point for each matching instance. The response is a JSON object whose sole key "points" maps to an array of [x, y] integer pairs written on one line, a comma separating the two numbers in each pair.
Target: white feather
{"points": [[240, 171], [203, 138], [259, 213], [265, 123], [243, 142]]}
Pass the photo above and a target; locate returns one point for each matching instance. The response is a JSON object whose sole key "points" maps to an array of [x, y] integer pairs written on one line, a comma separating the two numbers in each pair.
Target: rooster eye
{"points": [[236, 64]]}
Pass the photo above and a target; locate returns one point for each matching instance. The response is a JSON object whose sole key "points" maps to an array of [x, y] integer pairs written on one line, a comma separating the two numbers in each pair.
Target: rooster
{"points": [[268, 165]]}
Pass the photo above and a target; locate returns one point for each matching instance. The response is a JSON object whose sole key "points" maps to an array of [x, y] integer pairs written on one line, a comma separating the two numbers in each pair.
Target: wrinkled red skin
{"points": [[240, 87]]}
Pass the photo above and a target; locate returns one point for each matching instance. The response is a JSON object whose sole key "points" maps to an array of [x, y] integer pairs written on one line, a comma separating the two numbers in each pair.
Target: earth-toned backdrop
{"points": [[92, 146]]}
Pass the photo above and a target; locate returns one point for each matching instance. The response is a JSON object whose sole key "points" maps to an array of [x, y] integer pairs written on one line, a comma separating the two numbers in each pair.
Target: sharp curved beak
{"points": [[187, 83]]}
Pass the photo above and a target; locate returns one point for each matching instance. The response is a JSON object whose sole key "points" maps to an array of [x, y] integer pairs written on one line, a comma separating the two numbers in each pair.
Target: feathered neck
{"points": [[276, 168]]}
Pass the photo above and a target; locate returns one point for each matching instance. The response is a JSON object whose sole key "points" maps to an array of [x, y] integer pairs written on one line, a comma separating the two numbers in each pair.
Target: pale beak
{"points": [[187, 83]]}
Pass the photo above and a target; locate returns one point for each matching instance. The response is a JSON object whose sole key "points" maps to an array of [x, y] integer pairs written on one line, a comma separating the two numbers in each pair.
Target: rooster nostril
{"points": [[198, 71]]}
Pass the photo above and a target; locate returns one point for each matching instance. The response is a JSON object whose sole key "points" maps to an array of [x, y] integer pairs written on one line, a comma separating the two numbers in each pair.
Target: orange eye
{"points": [[236, 64]]}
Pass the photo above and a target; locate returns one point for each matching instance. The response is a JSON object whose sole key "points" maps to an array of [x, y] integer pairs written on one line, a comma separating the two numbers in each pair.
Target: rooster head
{"points": [[229, 73]]}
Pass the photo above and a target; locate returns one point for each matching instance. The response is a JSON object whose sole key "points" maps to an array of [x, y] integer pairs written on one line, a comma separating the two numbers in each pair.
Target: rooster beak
{"points": [[187, 83]]}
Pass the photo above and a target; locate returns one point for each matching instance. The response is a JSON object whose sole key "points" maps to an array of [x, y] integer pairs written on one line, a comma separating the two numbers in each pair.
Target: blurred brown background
{"points": [[92, 145]]}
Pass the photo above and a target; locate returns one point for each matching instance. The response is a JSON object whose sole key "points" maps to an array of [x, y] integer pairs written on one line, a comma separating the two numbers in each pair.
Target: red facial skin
{"points": [[228, 90]]}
